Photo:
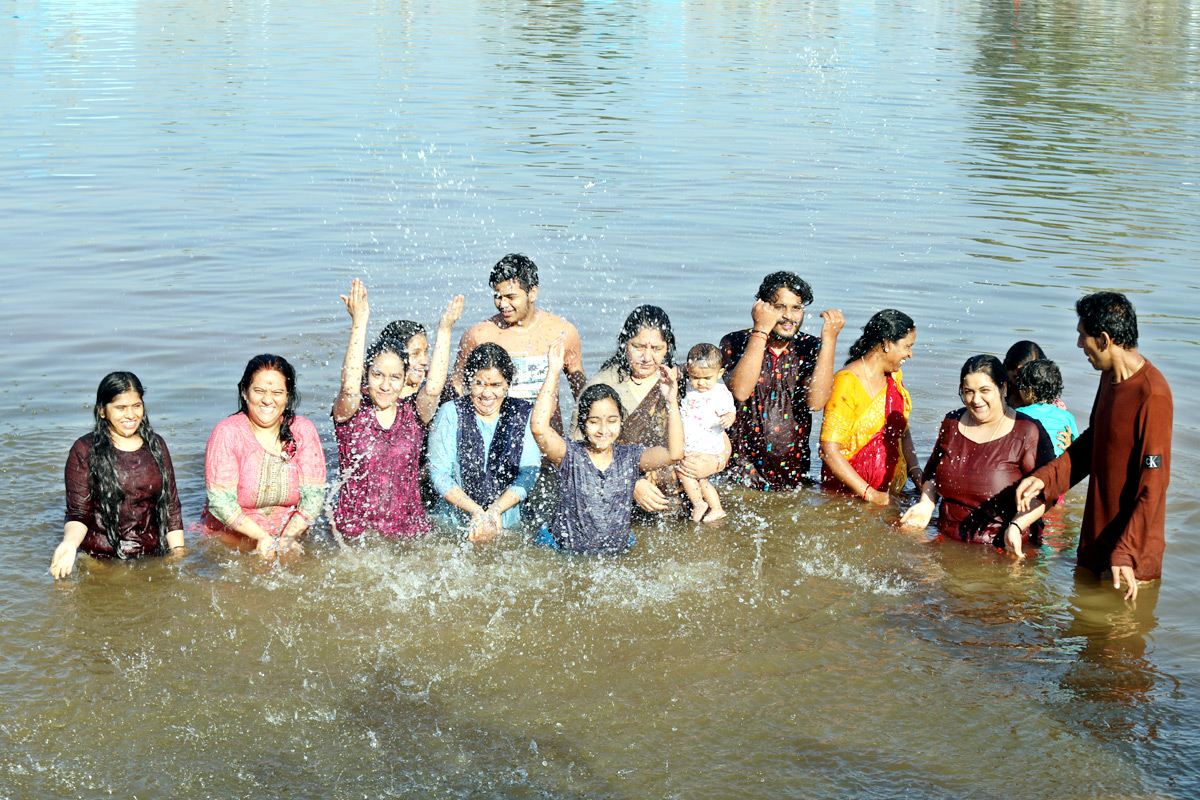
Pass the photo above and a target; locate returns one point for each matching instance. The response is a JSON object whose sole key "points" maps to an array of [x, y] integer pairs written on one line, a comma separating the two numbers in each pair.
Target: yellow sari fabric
{"points": [[858, 422]]}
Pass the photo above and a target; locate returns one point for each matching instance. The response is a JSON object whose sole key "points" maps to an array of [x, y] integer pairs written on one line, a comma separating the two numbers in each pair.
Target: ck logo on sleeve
{"points": [[1152, 462]]}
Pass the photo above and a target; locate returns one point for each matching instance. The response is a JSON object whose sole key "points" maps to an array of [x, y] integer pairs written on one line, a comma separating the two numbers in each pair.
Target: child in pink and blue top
{"points": [[379, 441]]}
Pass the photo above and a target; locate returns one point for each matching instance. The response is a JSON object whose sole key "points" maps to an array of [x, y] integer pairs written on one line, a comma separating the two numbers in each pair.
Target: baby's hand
{"points": [[727, 419]]}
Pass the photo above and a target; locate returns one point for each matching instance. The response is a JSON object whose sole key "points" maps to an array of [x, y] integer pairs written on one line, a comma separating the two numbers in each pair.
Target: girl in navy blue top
{"points": [[597, 476]]}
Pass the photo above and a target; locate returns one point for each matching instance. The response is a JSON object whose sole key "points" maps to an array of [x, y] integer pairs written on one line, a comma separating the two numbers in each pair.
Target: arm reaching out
{"points": [[820, 384], [548, 441], [439, 363], [350, 395], [656, 457]]}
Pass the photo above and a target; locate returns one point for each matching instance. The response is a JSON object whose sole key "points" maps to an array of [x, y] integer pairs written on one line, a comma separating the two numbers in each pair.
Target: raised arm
{"points": [[820, 383], [749, 366], [573, 362], [350, 395], [656, 457], [550, 443], [465, 345], [439, 364]]}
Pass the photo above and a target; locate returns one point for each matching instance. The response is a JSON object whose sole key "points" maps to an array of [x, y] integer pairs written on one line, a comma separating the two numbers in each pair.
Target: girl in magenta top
{"points": [[264, 469], [379, 441], [121, 498]]}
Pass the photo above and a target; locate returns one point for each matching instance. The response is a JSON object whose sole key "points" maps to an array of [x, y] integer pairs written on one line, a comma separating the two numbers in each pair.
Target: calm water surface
{"points": [[185, 185]]}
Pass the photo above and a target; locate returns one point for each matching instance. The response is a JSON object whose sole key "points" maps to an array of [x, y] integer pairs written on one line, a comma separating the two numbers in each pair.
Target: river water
{"points": [[187, 184]]}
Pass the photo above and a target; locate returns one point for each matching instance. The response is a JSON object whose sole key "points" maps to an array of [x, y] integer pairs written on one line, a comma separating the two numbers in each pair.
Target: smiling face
{"points": [[983, 398], [602, 425], [645, 353], [124, 415], [488, 390], [418, 360], [791, 307], [385, 379], [514, 303], [899, 351], [266, 398]]}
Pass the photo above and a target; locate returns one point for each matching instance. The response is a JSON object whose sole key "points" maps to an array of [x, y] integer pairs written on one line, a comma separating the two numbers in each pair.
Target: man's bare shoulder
{"points": [[488, 330], [553, 322]]}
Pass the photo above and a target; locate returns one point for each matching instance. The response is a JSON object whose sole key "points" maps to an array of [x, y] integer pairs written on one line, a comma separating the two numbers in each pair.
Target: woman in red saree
{"points": [[864, 435]]}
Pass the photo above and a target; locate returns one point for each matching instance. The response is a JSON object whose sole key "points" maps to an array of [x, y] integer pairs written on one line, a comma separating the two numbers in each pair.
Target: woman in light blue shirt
{"points": [[483, 471]]}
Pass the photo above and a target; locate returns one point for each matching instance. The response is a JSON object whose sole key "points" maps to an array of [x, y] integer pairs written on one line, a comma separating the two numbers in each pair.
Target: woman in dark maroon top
{"points": [[981, 452], [121, 498]]}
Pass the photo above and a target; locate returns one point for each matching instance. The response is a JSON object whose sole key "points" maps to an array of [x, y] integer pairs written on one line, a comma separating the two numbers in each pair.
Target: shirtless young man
{"points": [[524, 331]]}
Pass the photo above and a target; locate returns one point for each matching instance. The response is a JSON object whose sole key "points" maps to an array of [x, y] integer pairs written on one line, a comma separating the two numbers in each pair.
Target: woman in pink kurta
{"points": [[380, 416], [264, 469]]}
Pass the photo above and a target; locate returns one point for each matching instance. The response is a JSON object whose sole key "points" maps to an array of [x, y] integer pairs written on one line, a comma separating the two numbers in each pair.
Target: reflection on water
{"points": [[192, 184]]}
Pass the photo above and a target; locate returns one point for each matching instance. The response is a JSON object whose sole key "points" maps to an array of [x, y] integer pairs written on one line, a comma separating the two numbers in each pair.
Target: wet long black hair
{"points": [[280, 365], [884, 327], [403, 330], [592, 395], [640, 318], [384, 345], [103, 482]]}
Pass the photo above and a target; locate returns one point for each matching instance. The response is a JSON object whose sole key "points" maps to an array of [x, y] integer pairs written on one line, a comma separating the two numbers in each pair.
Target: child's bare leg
{"points": [[703, 464], [713, 500], [692, 487]]}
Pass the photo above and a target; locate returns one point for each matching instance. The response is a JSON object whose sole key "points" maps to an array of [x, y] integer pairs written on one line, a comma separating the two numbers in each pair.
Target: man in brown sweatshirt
{"points": [[1126, 450]]}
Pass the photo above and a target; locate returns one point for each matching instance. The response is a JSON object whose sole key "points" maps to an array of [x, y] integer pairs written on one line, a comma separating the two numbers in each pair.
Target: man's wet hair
{"points": [[784, 280], [515, 267], [1111, 313]]}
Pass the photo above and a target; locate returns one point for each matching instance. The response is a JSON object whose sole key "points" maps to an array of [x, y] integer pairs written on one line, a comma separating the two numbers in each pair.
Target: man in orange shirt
{"points": [[524, 331], [1126, 450]]}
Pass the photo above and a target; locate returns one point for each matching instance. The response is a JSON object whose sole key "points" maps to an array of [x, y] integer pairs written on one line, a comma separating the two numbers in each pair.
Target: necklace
{"points": [[995, 426]]}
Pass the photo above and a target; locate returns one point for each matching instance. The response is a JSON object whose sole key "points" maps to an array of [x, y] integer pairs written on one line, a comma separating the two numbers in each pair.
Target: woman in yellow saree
{"points": [[864, 435]]}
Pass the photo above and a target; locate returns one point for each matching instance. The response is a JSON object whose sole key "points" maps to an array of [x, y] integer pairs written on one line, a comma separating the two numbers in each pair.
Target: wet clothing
{"points": [[1127, 452], [770, 436], [242, 479], [378, 489], [594, 507], [868, 430], [141, 481], [482, 457], [645, 424], [701, 413], [977, 481]]}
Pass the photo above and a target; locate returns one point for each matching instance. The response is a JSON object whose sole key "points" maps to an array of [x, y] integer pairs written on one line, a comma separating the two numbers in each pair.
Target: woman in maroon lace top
{"points": [[121, 498], [982, 452]]}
